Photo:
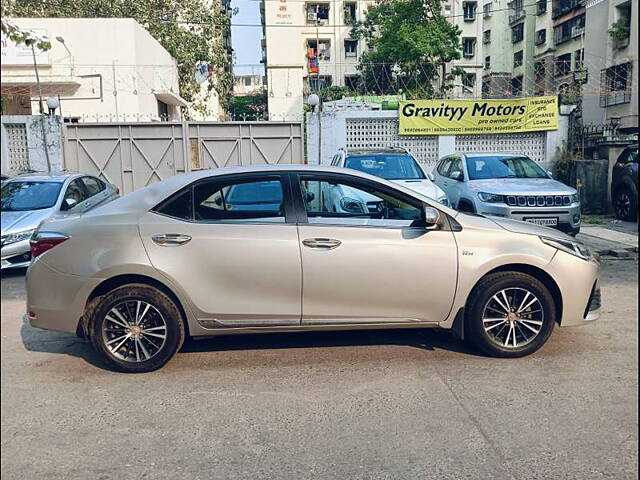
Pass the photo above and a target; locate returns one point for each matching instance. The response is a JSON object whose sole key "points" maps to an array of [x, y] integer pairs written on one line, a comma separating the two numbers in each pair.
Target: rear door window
{"points": [[93, 185]]}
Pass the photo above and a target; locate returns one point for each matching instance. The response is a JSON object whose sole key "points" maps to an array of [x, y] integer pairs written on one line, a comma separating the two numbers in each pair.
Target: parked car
{"points": [[510, 186], [137, 275], [624, 184], [393, 163], [26, 200]]}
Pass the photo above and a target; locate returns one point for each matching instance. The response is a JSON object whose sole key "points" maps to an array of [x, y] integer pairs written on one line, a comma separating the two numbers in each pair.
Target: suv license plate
{"points": [[546, 222]]}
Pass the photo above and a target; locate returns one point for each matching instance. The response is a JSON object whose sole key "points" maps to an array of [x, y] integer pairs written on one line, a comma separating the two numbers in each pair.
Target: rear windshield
{"points": [[387, 166], [19, 196], [503, 167]]}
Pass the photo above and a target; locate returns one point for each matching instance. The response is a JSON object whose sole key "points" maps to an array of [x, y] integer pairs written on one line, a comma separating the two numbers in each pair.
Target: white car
{"points": [[394, 164]]}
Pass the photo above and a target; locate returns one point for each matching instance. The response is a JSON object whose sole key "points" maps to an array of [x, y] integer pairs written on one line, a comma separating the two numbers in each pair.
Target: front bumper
{"points": [[15, 255], [568, 217], [579, 287]]}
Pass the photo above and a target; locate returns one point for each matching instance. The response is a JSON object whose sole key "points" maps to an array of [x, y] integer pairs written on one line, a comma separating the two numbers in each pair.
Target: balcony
{"points": [[565, 6]]}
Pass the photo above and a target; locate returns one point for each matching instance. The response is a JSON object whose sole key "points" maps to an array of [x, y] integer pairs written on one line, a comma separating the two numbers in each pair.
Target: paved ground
{"points": [[396, 405]]}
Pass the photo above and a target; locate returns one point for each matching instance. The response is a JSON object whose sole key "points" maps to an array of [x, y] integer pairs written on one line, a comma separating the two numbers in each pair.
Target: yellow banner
{"points": [[475, 117]]}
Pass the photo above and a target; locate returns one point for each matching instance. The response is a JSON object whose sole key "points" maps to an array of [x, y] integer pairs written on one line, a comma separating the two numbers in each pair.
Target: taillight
{"points": [[42, 241]]}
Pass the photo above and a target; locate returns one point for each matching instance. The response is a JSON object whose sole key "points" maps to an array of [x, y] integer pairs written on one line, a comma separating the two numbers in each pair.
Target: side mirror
{"points": [[68, 203], [457, 176], [431, 177], [309, 196], [431, 216]]}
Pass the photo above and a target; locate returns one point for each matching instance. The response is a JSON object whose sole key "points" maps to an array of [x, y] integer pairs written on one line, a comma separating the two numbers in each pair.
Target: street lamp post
{"points": [[314, 101]]}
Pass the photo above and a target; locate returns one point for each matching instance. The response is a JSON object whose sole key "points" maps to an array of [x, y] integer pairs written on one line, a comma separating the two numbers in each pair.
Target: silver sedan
{"points": [[27, 200], [255, 249]]}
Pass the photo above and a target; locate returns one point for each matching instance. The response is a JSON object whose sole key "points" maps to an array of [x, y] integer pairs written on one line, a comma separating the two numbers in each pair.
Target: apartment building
{"points": [[247, 84], [307, 47], [611, 51]]}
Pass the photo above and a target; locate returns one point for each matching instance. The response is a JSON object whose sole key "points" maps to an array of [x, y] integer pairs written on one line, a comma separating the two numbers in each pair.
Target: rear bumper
{"points": [[56, 301]]}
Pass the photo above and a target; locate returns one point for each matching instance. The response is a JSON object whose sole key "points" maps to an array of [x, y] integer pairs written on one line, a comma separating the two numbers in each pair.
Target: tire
{"points": [[496, 339], [142, 348], [465, 206], [625, 203]]}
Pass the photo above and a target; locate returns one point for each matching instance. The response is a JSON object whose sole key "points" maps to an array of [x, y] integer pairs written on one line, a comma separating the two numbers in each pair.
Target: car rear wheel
{"points": [[136, 328], [625, 204], [510, 314]]}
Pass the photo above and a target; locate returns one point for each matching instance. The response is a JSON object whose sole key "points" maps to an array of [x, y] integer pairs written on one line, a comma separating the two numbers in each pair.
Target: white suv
{"points": [[395, 164]]}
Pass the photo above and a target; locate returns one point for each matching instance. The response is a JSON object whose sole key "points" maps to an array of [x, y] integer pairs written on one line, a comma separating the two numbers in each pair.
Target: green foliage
{"points": [[190, 30], [249, 107], [20, 36], [620, 30], [409, 42], [334, 92]]}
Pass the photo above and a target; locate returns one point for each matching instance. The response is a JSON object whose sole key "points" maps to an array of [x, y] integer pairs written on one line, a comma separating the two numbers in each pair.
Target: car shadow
{"points": [[37, 340]]}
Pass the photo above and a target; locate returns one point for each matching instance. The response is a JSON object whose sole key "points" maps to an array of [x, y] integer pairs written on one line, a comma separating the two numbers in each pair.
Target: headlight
{"points": [[444, 201], [352, 205], [575, 198], [569, 246], [16, 237], [491, 197]]}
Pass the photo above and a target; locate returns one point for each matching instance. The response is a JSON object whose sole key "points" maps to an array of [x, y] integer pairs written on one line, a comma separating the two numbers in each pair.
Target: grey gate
{"points": [[134, 155]]}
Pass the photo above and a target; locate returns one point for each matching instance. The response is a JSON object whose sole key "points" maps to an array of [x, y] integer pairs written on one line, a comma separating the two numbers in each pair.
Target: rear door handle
{"points": [[170, 239], [322, 243]]}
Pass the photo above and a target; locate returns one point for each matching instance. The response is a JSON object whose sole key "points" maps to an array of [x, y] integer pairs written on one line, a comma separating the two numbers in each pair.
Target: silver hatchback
{"points": [[508, 185], [27, 200]]}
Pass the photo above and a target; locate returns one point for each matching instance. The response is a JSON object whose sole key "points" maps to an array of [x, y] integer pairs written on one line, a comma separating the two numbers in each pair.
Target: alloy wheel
{"points": [[134, 331], [513, 317], [623, 204]]}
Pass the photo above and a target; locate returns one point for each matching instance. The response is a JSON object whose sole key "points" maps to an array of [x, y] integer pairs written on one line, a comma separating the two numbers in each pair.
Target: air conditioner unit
{"points": [[312, 16]]}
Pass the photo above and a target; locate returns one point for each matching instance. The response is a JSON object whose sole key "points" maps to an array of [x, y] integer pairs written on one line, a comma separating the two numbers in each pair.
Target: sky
{"points": [[246, 40]]}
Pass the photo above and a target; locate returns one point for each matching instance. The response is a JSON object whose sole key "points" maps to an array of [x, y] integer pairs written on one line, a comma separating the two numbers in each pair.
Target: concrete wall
{"points": [[35, 142]]}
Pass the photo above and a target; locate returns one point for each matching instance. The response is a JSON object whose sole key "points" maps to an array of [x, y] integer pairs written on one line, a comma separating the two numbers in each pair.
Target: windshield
{"points": [[503, 167], [17, 196], [387, 166]]}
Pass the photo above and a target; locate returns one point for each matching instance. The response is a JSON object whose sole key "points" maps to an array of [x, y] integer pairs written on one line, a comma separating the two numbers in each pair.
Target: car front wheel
{"points": [[136, 328], [510, 314], [625, 203]]}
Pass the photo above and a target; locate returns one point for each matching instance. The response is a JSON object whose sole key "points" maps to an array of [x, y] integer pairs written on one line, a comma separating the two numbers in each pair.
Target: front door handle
{"points": [[323, 243], [171, 239]]}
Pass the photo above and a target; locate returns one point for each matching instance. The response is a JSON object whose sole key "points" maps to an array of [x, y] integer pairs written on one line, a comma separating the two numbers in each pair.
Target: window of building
{"points": [[317, 12], [486, 36], [570, 29], [318, 82], [163, 111], [247, 81], [541, 36], [578, 59], [539, 71], [351, 82], [469, 11], [468, 46], [563, 65], [517, 59], [621, 27], [323, 53], [349, 12], [516, 86], [615, 85], [541, 7], [516, 10], [517, 33], [350, 48], [469, 81], [486, 10], [447, 10], [487, 62]]}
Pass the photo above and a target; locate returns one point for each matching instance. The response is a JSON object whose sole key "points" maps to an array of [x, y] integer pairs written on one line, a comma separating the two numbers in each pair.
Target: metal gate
{"points": [[383, 132], [134, 155]]}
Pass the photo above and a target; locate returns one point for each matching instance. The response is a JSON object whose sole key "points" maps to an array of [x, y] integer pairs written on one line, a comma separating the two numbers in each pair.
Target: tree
{"points": [[190, 30], [249, 107], [410, 42]]}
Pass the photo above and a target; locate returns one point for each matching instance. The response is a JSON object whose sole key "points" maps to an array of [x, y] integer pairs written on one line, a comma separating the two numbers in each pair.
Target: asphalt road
{"points": [[365, 405]]}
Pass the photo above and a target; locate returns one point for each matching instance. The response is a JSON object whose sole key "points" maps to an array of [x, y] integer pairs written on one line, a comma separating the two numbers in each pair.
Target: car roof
{"points": [[493, 154], [373, 151], [57, 177]]}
